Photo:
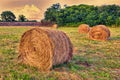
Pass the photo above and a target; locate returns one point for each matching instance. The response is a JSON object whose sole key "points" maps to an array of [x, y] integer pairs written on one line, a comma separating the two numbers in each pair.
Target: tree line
{"points": [[78, 14], [8, 16]]}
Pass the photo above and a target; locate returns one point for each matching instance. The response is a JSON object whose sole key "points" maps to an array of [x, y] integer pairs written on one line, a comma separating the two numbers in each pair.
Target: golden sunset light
{"points": [[34, 9]]}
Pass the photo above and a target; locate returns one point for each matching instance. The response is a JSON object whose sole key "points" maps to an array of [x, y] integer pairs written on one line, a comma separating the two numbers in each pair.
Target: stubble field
{"points": [[92, 60]]}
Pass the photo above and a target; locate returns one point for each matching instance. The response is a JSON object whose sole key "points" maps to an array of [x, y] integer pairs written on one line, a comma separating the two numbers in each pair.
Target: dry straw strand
{"points": [[99, 32], [83, 28], [43, 48]]}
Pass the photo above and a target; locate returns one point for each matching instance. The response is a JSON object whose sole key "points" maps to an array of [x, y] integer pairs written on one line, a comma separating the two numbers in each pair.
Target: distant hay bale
{"points": [[55, 26], [43, 48], [99, 32], [83, 28]]}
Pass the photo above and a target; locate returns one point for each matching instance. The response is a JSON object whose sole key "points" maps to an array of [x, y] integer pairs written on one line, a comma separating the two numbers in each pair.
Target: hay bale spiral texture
{"points": [[99, 32], [43, 48], [83, 28]]}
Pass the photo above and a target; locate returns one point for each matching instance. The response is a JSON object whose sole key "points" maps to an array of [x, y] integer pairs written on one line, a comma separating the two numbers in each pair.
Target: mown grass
{"points": [[92, 60]]}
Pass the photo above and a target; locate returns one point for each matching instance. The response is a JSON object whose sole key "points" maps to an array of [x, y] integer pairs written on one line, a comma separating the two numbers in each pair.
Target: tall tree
{"points": [[22, 18], [52, 12], [0, 19], [8, 16]]}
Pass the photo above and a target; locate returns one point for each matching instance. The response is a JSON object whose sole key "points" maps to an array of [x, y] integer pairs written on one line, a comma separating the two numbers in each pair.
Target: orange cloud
{"points": [[31, 12]]}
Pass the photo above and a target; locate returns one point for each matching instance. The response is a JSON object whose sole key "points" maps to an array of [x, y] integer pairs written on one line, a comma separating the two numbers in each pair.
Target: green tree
{"points": [[8, 16], [79, 14], [52, 13], [0, 19], [117, 22], [22, 18]]}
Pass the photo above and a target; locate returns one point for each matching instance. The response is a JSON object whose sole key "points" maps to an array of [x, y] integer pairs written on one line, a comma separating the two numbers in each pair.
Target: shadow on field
{"points": [[78, 63], [115, 38]]}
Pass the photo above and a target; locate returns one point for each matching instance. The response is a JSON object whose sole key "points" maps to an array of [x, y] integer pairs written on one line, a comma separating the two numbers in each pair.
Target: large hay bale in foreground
{"points": [[99, 32], [43, 48], [83, 28]]}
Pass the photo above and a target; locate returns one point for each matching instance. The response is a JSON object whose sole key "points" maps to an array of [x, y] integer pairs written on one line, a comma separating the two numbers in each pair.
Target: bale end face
{"points": [[99, 32], [83, 28], [43, 48]]}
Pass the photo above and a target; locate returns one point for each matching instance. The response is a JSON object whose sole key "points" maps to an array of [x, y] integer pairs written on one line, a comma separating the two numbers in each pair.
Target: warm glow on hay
{"points": [[83, 28], [99, 32], [43, 48]]}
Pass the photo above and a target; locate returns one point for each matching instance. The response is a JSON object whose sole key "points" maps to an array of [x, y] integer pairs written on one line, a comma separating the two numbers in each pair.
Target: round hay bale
{"points": [[43, 48], [55, 26], [83, 28], [99, 32]]}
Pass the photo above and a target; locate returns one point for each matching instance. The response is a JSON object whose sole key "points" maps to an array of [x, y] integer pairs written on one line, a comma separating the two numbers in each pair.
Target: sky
{"points": [[34, 9]]}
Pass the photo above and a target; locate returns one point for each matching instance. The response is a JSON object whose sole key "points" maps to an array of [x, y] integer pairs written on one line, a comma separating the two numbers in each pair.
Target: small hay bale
{"points": [[99, 32], [54, 26], [43, 48], [83, 28]]}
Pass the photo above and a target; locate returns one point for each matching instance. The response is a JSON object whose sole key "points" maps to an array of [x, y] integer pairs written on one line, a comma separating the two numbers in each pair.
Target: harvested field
{"points": [[92, 60]]}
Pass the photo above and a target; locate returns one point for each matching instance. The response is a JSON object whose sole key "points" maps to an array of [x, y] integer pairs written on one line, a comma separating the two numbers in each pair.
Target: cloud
{"points": [[30, 11]]}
